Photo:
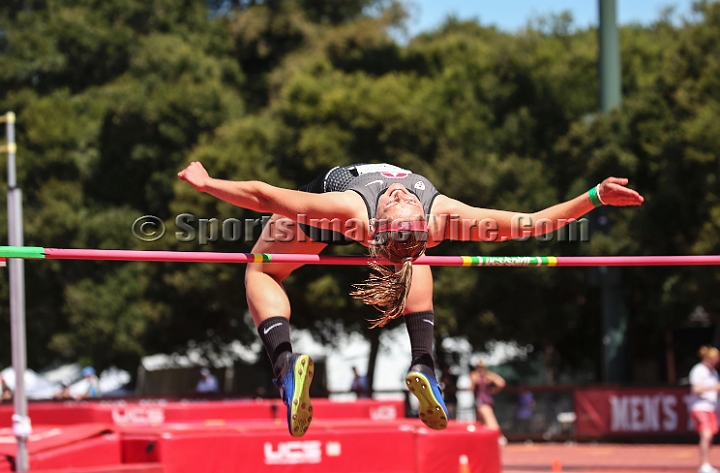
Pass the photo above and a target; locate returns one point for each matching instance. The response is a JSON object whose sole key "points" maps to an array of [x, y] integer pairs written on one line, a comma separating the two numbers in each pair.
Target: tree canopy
{"points": [[113, 97]]}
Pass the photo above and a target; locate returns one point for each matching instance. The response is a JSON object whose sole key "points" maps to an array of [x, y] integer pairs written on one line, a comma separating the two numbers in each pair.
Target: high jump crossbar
{"points": [[37, 252]]}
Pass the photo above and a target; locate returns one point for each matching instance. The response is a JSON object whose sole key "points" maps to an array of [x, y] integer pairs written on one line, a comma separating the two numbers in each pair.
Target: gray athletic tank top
{"points": [[371, 180]]}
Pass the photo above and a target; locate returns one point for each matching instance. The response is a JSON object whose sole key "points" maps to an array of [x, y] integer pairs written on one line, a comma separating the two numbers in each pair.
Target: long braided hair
{"points": [[401, 242]]}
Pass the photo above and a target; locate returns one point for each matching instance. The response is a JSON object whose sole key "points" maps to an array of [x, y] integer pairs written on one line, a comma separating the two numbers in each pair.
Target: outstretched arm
{"points": [[262, 197], [464, 222]]}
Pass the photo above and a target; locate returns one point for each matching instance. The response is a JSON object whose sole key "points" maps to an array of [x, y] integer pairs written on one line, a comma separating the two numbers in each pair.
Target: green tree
{"points": [[114, 97], [109, 96]]}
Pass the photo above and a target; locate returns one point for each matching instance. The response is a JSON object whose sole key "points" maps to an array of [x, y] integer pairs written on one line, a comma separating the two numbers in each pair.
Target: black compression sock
{"points": [[420, 327], [275, 335]]}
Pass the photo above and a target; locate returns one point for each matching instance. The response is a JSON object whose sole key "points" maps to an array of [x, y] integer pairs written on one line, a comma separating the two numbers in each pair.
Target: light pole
{"points": [[609, 60], [614, 310], [16, 266]]}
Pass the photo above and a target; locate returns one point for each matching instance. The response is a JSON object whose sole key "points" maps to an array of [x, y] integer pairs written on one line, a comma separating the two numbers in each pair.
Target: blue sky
{"points": [[514, 14]]}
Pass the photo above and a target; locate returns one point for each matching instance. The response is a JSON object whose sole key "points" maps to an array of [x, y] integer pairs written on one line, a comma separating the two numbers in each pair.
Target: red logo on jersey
{"points": [[394, 175]]}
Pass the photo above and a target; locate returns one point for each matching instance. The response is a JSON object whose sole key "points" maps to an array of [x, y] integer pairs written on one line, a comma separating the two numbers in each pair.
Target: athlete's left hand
{"points": [[613, 191]]}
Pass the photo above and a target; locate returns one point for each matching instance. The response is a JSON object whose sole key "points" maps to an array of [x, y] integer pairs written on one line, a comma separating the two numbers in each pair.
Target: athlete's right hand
{"points": [[195, 175]]}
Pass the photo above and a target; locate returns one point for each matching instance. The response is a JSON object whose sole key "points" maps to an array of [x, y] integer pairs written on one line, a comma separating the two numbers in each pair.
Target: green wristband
{"points": [[595, 197]]}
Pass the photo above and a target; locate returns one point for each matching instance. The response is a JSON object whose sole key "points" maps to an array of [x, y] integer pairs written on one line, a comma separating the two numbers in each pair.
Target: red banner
{"points": [[627, 411], [159, 412]]}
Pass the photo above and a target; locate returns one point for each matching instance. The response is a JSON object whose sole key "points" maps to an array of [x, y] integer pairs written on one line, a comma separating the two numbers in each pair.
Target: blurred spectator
{"points": [[93, 390], [524, 412], [484, 383], [448, 382], [64, 392], [208, 382], [7, 394], [703, 403], [360, 385]]}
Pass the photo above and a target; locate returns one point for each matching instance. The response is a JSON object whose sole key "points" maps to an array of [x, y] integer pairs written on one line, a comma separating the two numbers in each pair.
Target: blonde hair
{"points": [[708, 352], [387, 289], [482, 367]]}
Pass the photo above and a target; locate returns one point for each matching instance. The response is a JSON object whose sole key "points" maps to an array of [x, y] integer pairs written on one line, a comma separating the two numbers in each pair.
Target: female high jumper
{"points": [[397, 214]]}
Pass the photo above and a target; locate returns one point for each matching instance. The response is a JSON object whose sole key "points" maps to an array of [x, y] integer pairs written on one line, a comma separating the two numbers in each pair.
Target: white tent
{"points": [[36, 387], [46, 385]]}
